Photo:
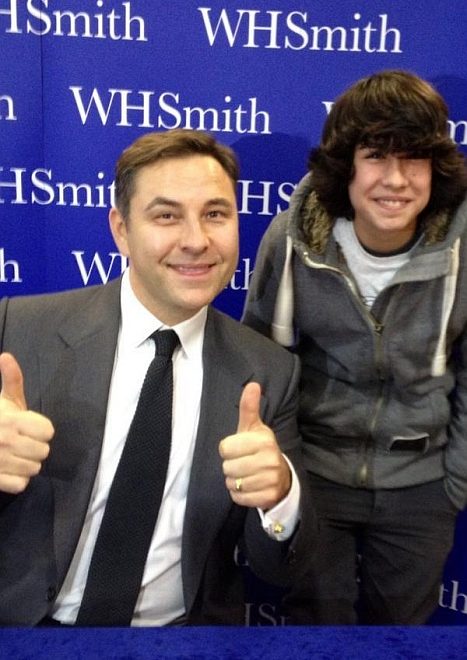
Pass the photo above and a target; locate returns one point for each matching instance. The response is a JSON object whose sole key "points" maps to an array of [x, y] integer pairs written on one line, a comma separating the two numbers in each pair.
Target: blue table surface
{"points": [[326, 643]]}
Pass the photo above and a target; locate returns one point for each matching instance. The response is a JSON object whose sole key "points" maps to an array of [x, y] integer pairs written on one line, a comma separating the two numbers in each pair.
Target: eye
{"points": [[374, 154], [164, 217], [215, 215]]}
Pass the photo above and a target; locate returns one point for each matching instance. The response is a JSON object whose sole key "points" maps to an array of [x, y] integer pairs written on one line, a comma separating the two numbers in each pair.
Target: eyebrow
{"points": [[162, 201], [166, 201], [219, 201]]}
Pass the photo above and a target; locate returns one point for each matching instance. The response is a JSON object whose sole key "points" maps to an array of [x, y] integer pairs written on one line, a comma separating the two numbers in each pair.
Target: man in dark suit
{"points": [[72, 366]]}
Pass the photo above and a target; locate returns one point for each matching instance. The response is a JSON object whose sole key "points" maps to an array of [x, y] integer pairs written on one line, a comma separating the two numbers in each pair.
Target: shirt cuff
{"points": [[280, 522]]}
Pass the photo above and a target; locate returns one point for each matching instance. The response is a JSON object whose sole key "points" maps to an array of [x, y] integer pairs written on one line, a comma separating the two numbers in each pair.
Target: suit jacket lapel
{"points": [[75, 381], [225, 374]]}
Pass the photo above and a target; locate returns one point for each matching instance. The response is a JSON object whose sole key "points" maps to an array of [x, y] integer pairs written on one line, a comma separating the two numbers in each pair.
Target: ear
{"points": [[119, 231]]}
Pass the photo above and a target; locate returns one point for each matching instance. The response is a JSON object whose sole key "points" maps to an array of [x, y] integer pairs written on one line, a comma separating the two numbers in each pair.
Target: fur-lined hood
{"points": [[310, 222]]}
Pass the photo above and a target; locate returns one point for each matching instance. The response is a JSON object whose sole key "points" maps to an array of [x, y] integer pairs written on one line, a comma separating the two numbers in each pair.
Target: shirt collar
{"points": [[138, 323]]}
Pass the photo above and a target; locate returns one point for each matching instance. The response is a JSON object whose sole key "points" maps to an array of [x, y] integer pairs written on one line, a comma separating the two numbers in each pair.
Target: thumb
{"points": [[12, 381], [249, 417]]}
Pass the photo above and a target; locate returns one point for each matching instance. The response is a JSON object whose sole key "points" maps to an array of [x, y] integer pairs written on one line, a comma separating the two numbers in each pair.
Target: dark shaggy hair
{"points": [[393, 112]]}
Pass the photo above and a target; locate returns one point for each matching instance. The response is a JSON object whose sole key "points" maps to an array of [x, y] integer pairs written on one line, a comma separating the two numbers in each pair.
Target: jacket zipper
{"points": [[363, 471], [377, 328]]}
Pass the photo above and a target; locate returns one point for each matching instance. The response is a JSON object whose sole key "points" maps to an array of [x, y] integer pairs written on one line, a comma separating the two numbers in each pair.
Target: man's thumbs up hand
{"points": [[249, 417], [256, 473], [12, 381], [24, 435]]}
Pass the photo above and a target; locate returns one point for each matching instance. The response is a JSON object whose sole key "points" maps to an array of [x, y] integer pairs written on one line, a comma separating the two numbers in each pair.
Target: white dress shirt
{"points": [[161, 597]]}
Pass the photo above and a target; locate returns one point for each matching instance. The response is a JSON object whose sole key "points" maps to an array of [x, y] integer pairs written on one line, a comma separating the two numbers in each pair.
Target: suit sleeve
{"points": [[280, 562]]}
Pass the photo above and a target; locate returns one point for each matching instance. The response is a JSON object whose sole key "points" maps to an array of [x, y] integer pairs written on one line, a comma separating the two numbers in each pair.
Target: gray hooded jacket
{"points": [[384, 390]]}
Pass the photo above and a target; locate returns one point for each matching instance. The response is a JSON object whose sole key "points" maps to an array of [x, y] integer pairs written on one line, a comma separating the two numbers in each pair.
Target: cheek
{"points": [[354, 192], [225, 239], [230, 247], [149, 245], [423, 176]]}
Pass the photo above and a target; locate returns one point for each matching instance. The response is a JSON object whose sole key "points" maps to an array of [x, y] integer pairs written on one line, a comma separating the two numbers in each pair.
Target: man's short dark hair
{"points": [[157, 146]]}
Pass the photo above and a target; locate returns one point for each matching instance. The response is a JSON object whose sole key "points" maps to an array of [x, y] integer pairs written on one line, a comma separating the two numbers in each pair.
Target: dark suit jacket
{"points": [[65, 344]]}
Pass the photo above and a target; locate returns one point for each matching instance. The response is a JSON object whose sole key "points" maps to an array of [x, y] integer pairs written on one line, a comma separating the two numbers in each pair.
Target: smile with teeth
{"points": [[392, 203], [193, 270]]}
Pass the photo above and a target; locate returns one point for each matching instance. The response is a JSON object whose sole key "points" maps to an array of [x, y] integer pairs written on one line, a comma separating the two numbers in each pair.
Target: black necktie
{"points": [[119, 557]]}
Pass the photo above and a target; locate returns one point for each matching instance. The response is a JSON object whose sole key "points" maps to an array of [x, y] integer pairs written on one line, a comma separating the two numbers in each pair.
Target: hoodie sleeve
{"points": [[270, 291], [455, 455]]}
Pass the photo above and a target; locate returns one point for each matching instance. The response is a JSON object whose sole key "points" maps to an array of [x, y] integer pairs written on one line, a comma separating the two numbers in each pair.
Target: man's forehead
{"points": [[175, 178]]}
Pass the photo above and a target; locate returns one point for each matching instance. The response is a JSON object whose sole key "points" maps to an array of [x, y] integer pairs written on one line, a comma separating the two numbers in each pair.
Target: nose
{"points": [[394, 173], [194, 236]]}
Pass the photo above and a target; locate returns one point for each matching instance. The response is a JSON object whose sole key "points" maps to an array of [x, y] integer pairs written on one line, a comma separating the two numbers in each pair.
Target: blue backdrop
{"points": [[81, 79]]}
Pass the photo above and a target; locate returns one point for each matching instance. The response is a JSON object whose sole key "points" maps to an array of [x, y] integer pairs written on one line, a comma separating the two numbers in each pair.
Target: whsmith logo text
{"points": [[146, 109], [116, 24], [252, 28]]}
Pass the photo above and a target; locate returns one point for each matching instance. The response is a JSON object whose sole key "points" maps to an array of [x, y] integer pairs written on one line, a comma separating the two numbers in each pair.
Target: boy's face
{"points": [[388, 192]]}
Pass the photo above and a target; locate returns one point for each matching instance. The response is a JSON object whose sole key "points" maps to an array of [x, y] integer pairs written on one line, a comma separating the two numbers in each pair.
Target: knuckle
{"points": [[21, 485], [269, 444], [14, 486], [6, 442], [7, 427], [35, 468]]}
